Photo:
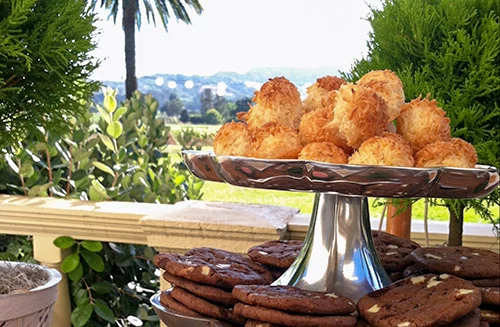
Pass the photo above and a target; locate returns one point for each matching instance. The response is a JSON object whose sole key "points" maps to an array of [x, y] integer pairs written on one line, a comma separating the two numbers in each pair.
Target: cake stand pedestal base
{"points": [[338, 253]]}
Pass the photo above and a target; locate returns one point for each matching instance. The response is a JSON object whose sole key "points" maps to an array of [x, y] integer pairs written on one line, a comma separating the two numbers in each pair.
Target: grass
{"points": [[214, 191]]}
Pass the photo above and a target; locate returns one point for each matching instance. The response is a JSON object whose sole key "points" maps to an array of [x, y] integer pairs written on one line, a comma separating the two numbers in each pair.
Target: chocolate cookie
{"points": [[472, 319], [421, 301], [206, 308], [168, 301], [490, 315], [415, 270], [488, 282], [289, 319], [218, 256], [279, 254], [255, 323], [460, 261], [490, 295], [393, 251], [223, 272], [293, 299], [205, 291]]}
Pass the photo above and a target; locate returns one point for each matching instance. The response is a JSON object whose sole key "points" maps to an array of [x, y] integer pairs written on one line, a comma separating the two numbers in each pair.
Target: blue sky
{"points": [[237, 35]]}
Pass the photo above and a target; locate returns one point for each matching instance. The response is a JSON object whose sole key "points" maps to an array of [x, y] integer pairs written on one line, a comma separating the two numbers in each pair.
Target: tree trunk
{"points": [[456, 226], [129, 11]]}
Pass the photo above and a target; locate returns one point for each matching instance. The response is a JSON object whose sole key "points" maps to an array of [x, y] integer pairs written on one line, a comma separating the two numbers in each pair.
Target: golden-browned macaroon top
{"points": [[312, 123], [359, 114], [320, 89], [388, 85], [453, 153], [232, 139], [323, 151], [278, 101], [422, 122], [390, 149], [275, 141]]}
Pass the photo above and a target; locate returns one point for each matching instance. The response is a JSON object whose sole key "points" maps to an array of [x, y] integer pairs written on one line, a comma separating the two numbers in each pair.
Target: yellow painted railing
{"points": [[172, 228]]}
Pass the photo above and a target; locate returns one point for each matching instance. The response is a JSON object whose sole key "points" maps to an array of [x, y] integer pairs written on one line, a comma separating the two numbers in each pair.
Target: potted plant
{"points": [[27, 294]]}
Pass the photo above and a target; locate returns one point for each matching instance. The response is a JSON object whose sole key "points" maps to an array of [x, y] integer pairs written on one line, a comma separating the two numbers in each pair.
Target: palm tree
{"points": [[132, 17]]}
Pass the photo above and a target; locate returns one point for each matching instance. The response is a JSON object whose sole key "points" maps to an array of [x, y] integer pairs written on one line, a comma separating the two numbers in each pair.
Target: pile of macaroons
{"points": [[365, 123]]}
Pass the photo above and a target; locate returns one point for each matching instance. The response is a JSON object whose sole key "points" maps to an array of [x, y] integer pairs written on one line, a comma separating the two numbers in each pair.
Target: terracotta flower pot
{"points": [[399, 218], [30, 308]]}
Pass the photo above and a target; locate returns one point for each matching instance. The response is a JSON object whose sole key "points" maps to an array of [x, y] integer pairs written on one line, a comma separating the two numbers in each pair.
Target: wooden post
{"points": [[399, 218], [45, 252]]}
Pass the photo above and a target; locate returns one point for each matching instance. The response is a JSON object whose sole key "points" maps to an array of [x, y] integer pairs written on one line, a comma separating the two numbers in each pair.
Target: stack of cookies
{"points": [[480, 267], [276, 255], [423, 301], [266, 305], [394, 253], [203, 279]]}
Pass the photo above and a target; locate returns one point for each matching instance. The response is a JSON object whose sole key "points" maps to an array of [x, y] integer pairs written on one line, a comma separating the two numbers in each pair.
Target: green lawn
{"points": [[304, 201]]}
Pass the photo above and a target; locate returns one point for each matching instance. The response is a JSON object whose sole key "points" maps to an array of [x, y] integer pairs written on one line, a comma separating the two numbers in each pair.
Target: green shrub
{"points": [[117, 153], [46, 61], [212, 116]]}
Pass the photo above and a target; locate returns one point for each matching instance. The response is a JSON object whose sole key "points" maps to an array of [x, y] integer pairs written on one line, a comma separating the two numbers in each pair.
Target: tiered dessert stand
{"points": [[338, 253]]}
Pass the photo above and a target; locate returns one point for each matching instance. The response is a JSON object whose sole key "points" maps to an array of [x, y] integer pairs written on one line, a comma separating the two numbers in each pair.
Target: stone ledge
{"points": [[475, 235], [230, 226]]}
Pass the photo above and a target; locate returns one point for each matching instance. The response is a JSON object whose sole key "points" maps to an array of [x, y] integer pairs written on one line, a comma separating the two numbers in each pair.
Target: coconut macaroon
{"points": [[388, 85], [312, 123], [390, 149], [275, 141], [323, 151], [359, 114], [232, 139], [422, 122], [320, 89], [453, 153], [278, 100]]}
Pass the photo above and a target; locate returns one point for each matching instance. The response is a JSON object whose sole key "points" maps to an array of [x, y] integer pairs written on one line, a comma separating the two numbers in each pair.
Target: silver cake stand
{"points": [[338, 253]]}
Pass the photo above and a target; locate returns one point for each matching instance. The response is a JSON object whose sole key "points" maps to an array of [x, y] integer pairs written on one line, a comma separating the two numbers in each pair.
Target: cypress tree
{"points": [[45, 64], [449, 49]]}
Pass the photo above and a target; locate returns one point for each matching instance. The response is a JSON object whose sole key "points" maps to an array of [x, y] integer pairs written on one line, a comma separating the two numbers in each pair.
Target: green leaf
{"points": [[70, 263], [109, 103], [102, 309], [93, 246], [107, 142], [115, 129], [103, 167], [41, 147], [26, 169], [81, 297], [95, 194], [104, 114], [102, 287], [119, 112], [77, 273], [64, 242], [81, 314], [150, 197], [93, 260], [179, 180], [79, 174], [149, 253]]}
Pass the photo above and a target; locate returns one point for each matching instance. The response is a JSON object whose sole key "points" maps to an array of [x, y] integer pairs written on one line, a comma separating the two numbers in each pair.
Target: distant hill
{"points": [[238, 85]]}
